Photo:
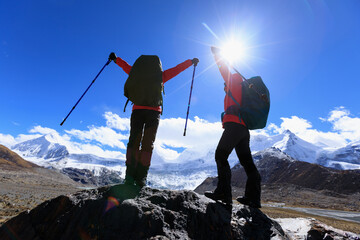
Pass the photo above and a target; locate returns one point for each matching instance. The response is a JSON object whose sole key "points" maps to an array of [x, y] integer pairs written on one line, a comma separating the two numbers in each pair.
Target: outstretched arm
{"points": [[124, 65], [223, 67], [172, 72], [119, 61]]}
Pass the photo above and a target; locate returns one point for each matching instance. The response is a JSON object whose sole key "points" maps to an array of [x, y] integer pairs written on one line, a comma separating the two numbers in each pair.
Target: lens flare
{"points": [[111, 203]]}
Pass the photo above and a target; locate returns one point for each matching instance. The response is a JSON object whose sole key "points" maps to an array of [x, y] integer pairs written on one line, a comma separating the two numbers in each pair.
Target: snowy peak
{"points": [[41, 148], [273, 152], [297, 147], [288, 143]]}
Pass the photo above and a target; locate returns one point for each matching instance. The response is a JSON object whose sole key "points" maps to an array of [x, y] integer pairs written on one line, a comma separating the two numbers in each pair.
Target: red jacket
{"points": [[233, 83], [166, 76]]}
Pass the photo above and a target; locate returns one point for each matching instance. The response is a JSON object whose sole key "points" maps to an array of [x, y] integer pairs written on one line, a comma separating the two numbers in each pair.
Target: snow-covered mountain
{"points": [[190, 168], [347, 157], [44, 152], [41, 148], [297, 148], [289, 143]]}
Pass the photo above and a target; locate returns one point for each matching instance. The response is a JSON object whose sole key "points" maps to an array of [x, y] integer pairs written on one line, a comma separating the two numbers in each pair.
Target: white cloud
{"points": [[198, 132], [95, 150], [25, 137], [345, 128], [345, 124], [7, 140], [201, 135], [295, 124], [43, 130], [103, 135], [115, 121]]}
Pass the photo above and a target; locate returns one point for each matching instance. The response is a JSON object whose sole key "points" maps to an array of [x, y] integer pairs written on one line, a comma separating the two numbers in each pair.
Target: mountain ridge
{"points": [[285, 179], [191, 170]]}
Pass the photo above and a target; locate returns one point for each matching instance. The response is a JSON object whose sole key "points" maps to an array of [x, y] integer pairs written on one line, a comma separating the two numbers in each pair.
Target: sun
{"points": [[234, 51]]}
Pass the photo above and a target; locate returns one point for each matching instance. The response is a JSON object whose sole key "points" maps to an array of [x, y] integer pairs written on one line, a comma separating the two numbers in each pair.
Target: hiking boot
{"points": [[249, 202], [253, 186], [141, 175], [131, 162], [129, 175], [218, 196]]}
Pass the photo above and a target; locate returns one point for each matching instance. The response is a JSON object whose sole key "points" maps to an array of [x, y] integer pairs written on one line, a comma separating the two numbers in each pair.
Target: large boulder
{"points": [[123, 212]]}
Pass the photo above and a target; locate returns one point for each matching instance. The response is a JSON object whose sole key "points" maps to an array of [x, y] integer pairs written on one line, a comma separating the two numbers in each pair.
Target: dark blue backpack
{"points": [[255, 103]]}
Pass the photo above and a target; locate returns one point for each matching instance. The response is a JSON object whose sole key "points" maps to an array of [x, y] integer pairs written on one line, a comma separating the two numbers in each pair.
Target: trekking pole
{"points": [[107, 63], [187, 114]]}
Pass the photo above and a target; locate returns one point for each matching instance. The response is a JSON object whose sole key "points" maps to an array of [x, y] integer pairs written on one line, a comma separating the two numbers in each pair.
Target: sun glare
{"points": [[233, 51]]}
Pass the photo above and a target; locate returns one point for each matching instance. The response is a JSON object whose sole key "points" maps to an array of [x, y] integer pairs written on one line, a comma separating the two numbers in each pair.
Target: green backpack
{"points": [[255, 103], [144, 86]]}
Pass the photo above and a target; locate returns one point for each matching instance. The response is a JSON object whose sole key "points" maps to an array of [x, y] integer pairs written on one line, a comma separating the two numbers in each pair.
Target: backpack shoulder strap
{"points": [[232, 97], [127, 101]]}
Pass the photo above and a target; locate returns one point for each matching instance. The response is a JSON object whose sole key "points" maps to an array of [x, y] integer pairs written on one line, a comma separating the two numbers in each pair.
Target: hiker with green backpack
{"points": [[245, 108], [144, 88]]}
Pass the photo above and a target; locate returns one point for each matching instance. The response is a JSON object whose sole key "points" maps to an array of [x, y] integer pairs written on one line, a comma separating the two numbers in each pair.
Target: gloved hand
{"points": [[195, 61], [215, 50], [112, 57]]}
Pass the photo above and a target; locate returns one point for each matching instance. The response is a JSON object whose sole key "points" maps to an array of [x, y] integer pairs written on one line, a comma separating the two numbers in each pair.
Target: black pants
{"points": [[143, 128], [237, 136]]}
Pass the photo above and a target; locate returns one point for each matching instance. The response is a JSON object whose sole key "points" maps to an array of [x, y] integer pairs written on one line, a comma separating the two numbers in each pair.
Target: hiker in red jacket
{"points": [[236, 135], [144, 123]]}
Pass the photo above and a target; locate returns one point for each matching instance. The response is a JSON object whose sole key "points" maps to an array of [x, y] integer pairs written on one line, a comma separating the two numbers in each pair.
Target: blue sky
{"points": [[306, 51]]}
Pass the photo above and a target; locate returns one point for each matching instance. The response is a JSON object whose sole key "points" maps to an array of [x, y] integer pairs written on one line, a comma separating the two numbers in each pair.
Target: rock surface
{"points": [[123, 212]]}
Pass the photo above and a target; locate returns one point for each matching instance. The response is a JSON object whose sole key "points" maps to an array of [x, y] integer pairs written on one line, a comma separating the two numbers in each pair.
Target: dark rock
{"points": [[123, 212]]}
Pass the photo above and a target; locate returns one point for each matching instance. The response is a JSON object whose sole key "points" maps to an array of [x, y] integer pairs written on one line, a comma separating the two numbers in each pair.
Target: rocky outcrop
{"points": [[123, 212]]}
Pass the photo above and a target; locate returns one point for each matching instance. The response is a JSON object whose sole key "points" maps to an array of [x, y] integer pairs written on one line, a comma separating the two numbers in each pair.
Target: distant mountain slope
{"points": [[275, 167], [42, 148], [188, 170], [342, 158], [11, 160], [23, 184], [280, 169]]}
